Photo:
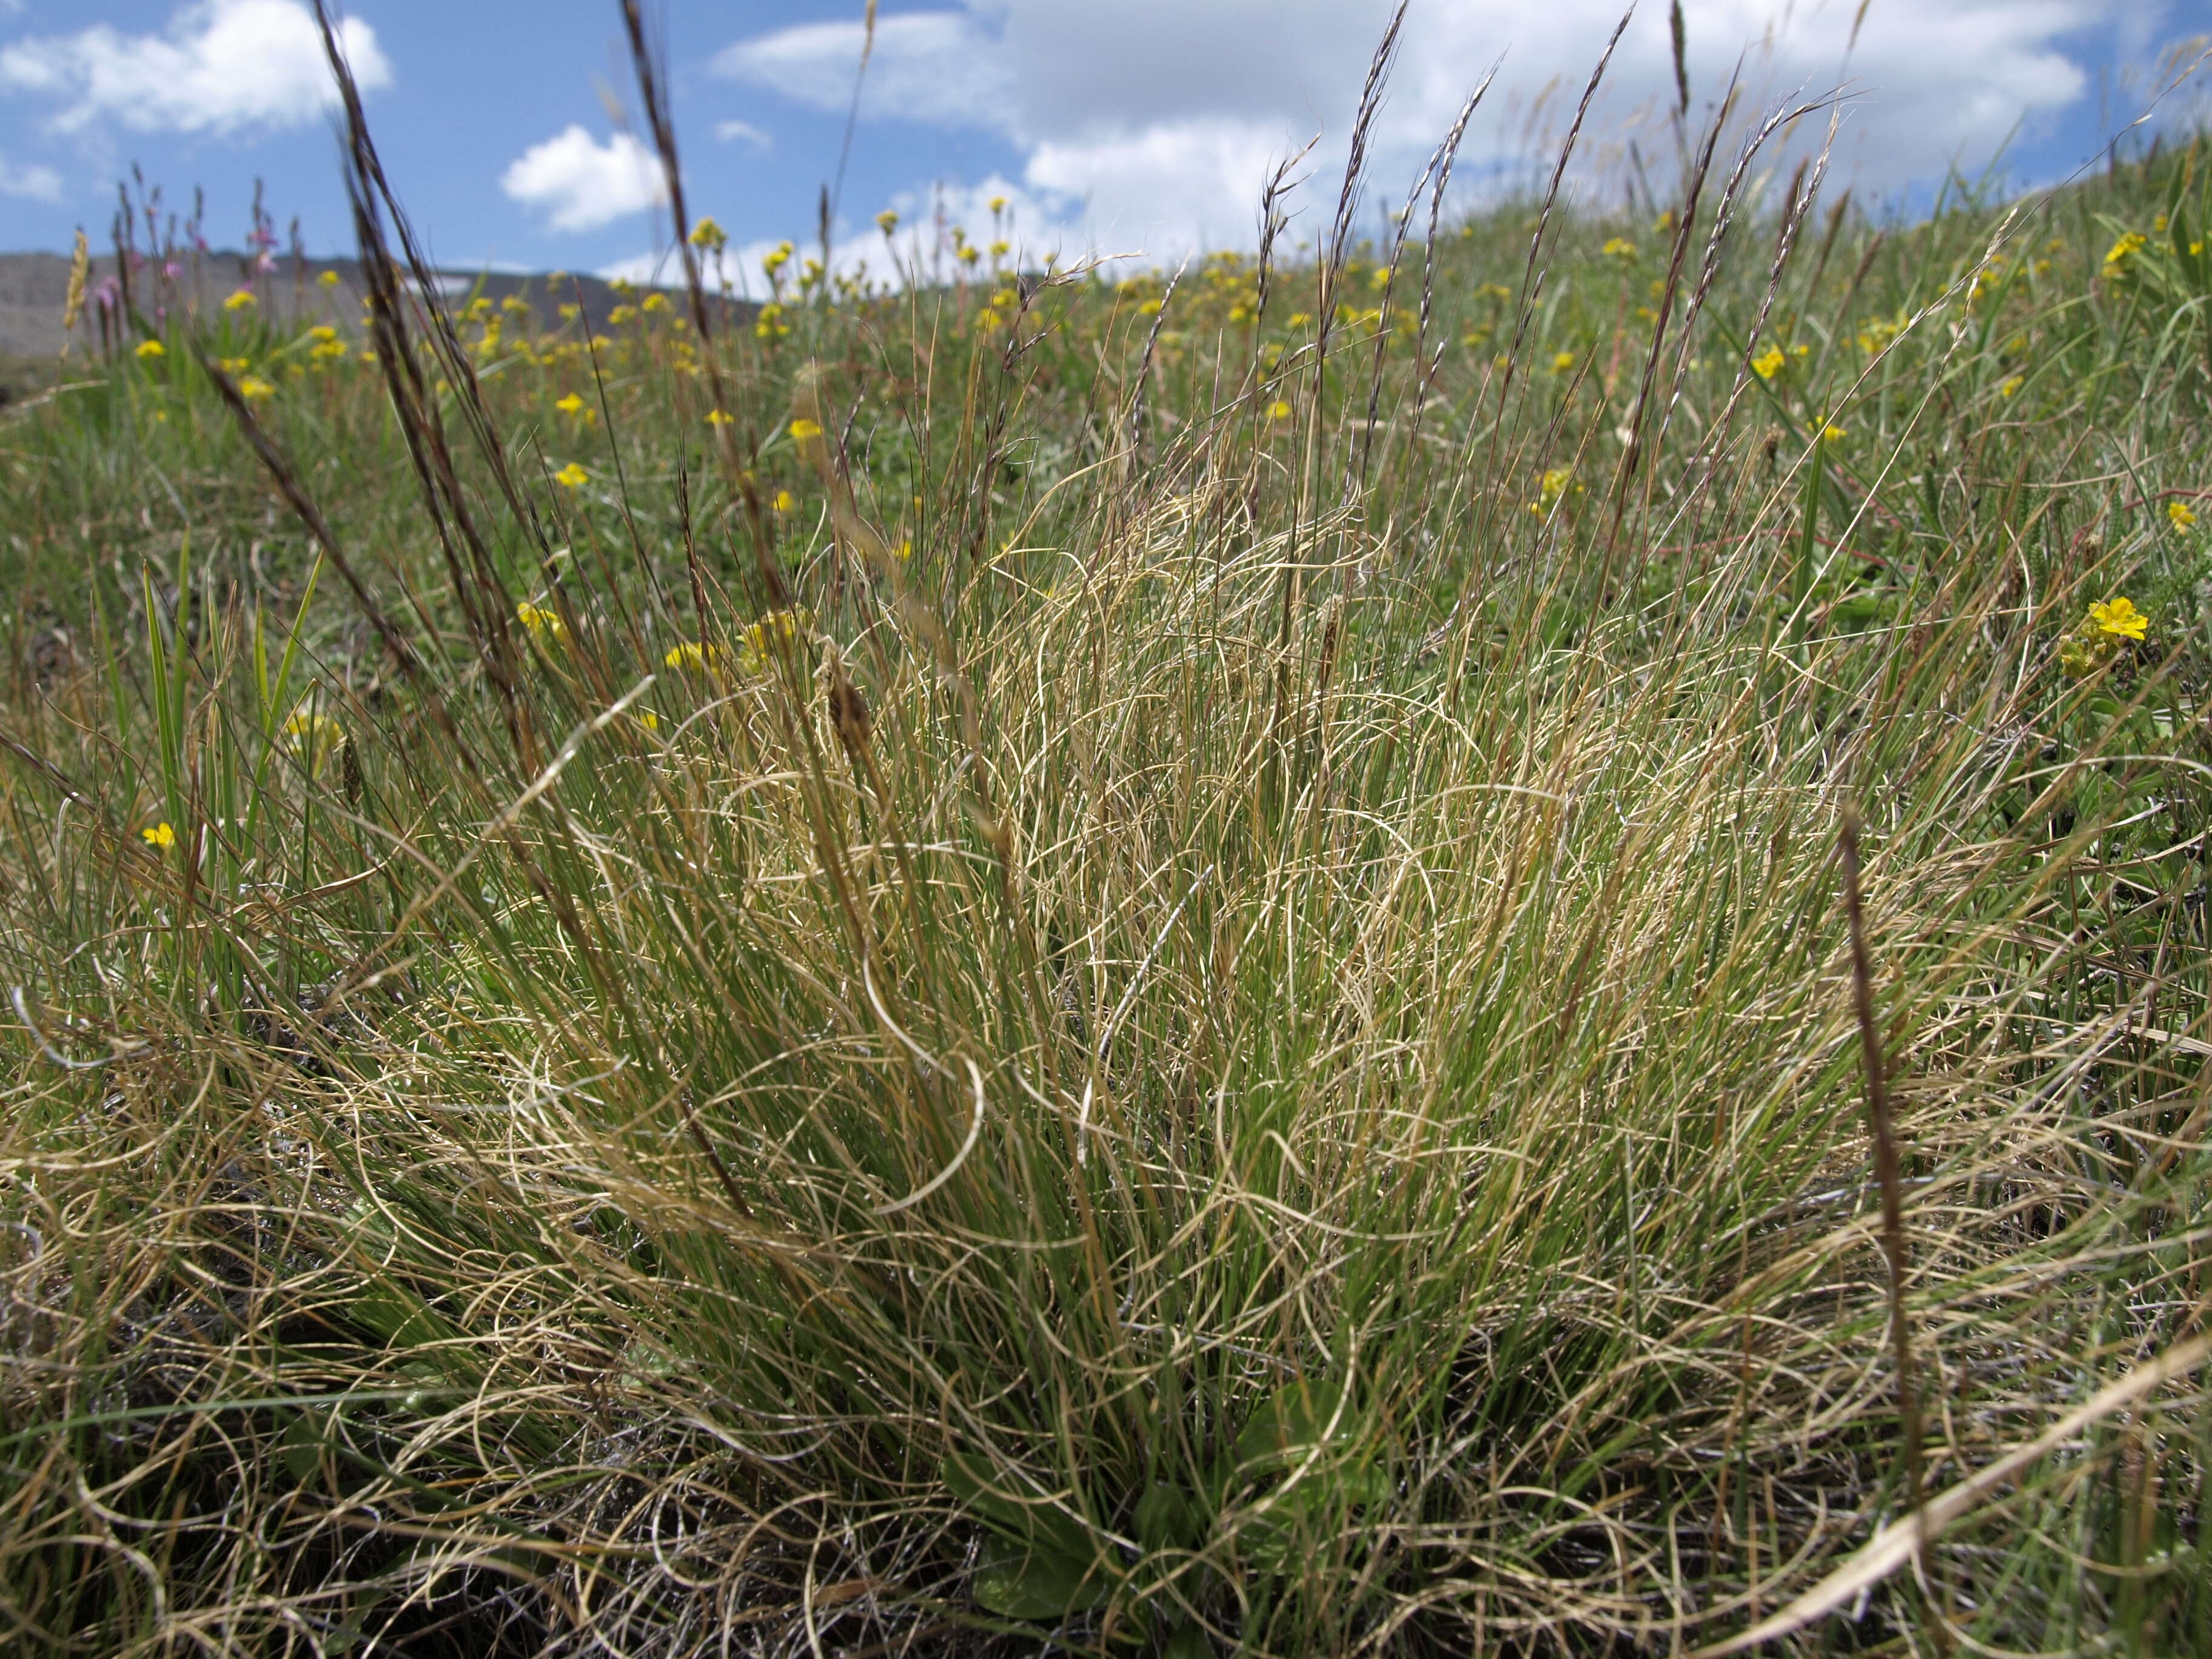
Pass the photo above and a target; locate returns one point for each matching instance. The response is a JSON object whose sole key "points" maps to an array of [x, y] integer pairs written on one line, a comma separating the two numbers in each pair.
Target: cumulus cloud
{"points": [[220, 66], [741, 131], [582, 184], [940, 67], [1155, 121], [39, 184]]}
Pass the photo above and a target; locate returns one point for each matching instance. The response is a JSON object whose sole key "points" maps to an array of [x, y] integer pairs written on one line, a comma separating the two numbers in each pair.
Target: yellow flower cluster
{"points": [[2117, 257], [1551, 489], [541, 623], [2101, 636]]}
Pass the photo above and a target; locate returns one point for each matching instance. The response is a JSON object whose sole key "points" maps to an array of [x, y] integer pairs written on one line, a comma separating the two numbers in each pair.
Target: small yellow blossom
{"points": [[655, 302], [719, 417], [314, 738], [1551, 488], [2121, 252], [997, 205], [709, 236], [160, 834], [2181, 515], [2119, 618], [2012, 385], [620, 315], [149, 348], [802, 429], [1620, 248], [1563, 362], [253, 386], [571, 404], [233, 365], [1768, 364], [542, 624], [328, 279], [761, 635], [688, 654], [1278, 410], [887, 221], [240, 300], [572, 477], [783, 502], [648, 720], [1830, 433]]}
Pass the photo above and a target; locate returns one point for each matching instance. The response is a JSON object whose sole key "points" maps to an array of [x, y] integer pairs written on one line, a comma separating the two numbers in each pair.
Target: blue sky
{"points": [[1118, 125]]}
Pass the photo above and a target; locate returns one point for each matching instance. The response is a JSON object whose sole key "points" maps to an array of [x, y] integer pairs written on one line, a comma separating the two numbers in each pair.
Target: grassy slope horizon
{"points": [[1071, 967]]}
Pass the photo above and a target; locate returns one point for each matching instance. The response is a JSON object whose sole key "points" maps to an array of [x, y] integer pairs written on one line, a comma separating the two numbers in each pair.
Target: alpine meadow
{"points": [[1482, 933]]}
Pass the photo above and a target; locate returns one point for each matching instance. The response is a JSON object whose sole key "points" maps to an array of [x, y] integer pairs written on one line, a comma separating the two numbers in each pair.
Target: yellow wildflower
{"points": [[997, 205], [542, 624], [253, 386], [709, 236], [2119, 618], [328, 279], [2121, 252], [149, 348], [717, 417], [802, 429], [2181, 515], [314, 738], [233, 365], [1768, 364], [1563, 362], [572, 475], [240, 300], [1278, 410], [160, 834], [1620, 248], [761, 635], [1551, 488], [688, 654], [783, 501], [571, 404], [655, 302], [2012, 383], [887, 221]]}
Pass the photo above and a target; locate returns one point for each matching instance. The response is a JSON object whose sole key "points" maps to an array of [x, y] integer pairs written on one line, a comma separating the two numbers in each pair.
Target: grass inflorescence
{"points": [[1143, 966]]}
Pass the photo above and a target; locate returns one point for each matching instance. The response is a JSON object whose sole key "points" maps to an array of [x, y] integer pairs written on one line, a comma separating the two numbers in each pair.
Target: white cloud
{"points": [[661, 270], [728, 132], [940, 67], [583, 184], [1158, 120], [219, 66], [39, 184]]}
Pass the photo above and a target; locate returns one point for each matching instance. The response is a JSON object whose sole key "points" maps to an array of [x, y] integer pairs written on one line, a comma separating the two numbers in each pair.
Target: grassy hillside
{"points": [[1047, 964]]}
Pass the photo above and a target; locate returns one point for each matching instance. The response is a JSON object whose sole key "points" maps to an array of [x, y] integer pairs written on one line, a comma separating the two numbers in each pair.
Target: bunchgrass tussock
{"points": [[1329, 954]]}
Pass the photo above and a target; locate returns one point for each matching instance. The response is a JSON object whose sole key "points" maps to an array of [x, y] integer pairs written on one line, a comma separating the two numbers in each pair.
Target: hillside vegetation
{"points": [[1058, 962]]}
